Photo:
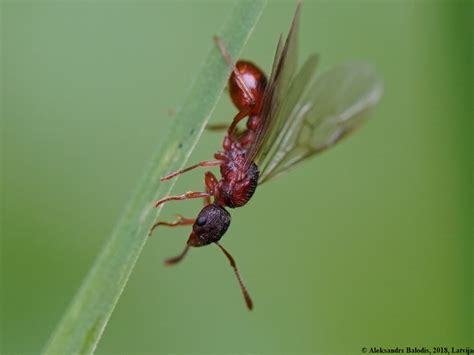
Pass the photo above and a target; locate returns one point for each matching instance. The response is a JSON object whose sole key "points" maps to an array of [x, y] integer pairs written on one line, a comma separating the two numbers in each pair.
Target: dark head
{"points": [[210, 225]]}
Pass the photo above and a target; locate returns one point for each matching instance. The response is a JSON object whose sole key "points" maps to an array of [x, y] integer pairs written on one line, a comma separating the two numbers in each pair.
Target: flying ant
{"points": [[289, 119]]}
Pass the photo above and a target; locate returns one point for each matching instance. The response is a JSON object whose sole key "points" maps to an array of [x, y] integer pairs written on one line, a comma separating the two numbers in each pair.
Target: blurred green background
{"points": [[367, 245]]}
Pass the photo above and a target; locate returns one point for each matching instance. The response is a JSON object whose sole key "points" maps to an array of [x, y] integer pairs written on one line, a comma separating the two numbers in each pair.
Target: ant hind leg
{"points": [[230, 62], [217, 127]]}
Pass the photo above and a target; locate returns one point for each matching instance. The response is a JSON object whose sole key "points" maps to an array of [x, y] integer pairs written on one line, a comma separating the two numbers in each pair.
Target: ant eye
{"points": [[201, 221]]}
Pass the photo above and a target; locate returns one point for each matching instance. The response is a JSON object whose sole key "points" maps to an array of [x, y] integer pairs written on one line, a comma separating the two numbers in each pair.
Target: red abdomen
{"points": [[255, 81]]}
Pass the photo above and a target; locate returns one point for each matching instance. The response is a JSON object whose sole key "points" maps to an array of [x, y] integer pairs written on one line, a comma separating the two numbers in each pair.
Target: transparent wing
{"points": [[334, 106], [283, 70], [284, 115]]}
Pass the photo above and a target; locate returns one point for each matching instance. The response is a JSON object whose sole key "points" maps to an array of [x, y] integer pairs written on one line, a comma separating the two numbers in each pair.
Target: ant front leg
{"points": [[211, 185], [180, 221]]}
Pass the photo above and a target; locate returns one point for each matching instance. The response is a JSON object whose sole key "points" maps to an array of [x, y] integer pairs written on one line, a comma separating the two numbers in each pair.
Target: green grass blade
{"points": [[84, 321]]}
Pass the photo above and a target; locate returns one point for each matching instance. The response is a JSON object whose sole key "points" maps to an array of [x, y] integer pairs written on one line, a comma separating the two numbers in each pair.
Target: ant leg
{"points": [[220, 127], [186, 196], [200, 164], [238, 76], [240, 81], [217, 127], [178, 258], [180, 221], [239, 117], [210, 181], [247, 298]]}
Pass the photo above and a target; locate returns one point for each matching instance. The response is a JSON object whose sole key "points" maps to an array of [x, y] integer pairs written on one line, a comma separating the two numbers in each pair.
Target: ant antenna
{"points": [[178, 258], [247, 298], [230, 62]]}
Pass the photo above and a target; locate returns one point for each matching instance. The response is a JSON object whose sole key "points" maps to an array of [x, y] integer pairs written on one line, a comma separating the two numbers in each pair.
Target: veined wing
{"points": [[283, 71], [334, 106], [285, 115]]}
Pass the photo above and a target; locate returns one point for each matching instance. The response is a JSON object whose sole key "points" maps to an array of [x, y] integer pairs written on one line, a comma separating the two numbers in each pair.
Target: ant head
{"points": [[210, 225]]}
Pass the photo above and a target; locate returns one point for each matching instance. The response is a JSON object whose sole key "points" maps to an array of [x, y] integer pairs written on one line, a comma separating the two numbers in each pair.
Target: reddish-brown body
{"points": [[289, 119], [246, 85], [238, 184], [255, 81], [239, 179]]}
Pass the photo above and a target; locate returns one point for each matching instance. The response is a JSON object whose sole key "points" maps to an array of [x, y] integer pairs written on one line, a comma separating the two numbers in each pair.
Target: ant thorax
{"points": [[236, 187]]}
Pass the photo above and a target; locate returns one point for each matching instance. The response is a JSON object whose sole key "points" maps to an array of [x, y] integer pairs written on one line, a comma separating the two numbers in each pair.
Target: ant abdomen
{"points": [[255, 81], [210, 225]]}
